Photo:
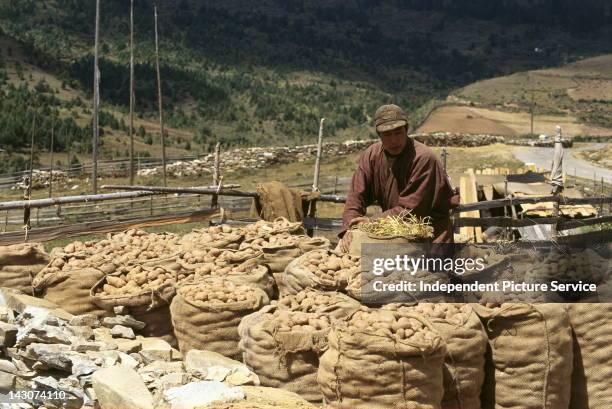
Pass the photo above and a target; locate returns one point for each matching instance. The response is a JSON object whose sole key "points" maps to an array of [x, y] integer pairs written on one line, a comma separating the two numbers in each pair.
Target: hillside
{"points": [[265, 76], [577, 96]]}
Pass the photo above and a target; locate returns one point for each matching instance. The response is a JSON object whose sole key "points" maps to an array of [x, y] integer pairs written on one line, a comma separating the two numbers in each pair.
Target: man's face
{"points": [[395, 140]]}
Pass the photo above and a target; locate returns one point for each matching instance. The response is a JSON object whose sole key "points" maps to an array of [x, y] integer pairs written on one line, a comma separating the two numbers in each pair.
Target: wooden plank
{"points": [[562, 223], [469, 194], [100, 227], [492, 204]]}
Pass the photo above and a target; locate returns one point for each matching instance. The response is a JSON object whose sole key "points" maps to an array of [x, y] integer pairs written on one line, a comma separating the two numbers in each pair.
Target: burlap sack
{"points": [[282, 359], [150, 307], [71, 290], [333, 304], [193, 240], [297, 277], [200, 325], [531, 356], [592, 372], [19, 263], [360, 237], [278, 257], [464, 364], [366, 371], [258, 275]]}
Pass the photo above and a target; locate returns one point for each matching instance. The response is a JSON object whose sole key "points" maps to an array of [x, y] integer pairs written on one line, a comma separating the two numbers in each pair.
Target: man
{"points": [[399, 173]]}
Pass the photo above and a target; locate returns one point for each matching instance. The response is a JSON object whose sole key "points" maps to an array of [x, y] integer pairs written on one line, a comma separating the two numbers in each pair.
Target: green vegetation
{"points": [[265, 75]]}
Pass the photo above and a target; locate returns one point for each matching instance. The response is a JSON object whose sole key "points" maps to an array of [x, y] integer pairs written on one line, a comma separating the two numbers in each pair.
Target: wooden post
{"points": [[315, 182], [532, 110], [5, 221], [312, 205], [602, 196], [132, 92], [444, 157], [216, 174], [96, 103], [159, 98], [51, 168], [507, 232]]}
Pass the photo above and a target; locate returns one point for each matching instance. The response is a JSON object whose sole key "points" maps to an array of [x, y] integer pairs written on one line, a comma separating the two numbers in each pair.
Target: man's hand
{"points": [[358, 220], [345, 243]]}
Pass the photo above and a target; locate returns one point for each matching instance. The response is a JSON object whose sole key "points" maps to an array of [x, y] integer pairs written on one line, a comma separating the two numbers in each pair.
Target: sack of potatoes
{"points": [[249, 273], [333, 304], [283, 348], [222, 236], [320, 269], [146, 291], [19, 263], [466, 342], [382, 359], [207, 312], [263, 228]]}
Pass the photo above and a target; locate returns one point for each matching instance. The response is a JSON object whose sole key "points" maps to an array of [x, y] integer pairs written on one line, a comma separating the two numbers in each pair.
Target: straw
{"points": [[404, 224]]}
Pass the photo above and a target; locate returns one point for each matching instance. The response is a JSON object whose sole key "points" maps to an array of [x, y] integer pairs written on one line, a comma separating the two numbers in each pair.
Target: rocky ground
{"points": [[50, 358]]}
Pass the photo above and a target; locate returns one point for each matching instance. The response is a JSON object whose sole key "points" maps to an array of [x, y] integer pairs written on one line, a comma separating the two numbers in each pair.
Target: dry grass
{"points": [[404, 225]]}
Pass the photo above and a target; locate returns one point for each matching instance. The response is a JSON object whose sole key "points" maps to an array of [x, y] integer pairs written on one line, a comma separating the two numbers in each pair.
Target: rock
{"points": [[82, 332], [208, 365], [84, 346], [50, 355], [8, 334], [7, 382], [85, 320], [128, 346], [103, 334], [6, 314], [125, 320], [8, 367], [121, 310], [120, 331], [120, 387], [34, 333], [82, 366], [20, 302], [127, 361], [155, 349], [197, 394], [173, 379], [162, 367], [74, 394], [105, 359]]}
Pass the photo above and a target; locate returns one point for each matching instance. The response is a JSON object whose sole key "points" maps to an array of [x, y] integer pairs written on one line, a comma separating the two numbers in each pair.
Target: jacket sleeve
{"points": [[427, 193], [359, 196]]}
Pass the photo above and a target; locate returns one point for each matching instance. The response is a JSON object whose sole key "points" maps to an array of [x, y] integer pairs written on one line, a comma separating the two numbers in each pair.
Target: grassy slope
{"points": [[575, 95]]}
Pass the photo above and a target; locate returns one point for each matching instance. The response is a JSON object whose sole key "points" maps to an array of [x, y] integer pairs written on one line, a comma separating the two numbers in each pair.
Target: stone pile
{"points": [[41, 179], [458, 139], [83, 362]]}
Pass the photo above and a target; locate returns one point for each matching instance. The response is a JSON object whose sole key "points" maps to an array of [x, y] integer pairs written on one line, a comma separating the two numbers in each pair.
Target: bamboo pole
{"points": [[159, 97], [132, 92], [96, 103], [54, 201], [312, 205]]}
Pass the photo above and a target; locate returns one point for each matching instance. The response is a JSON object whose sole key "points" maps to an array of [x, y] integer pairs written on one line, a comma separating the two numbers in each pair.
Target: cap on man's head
{"points": [[389, 117]]}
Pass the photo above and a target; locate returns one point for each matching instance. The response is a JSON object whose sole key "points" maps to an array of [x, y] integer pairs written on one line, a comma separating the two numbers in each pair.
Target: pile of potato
{"points": [[330, 266], [197, 256], [215, 236], [281, 239], [230, 269], [264, 228], [306, 301], [586, 265], [391, 324], [300, 321], [218, 292], [137, 279], [453, 313]]}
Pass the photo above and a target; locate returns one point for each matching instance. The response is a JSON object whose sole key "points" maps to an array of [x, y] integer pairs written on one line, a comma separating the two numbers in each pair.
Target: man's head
{"points": [[392, 128]]}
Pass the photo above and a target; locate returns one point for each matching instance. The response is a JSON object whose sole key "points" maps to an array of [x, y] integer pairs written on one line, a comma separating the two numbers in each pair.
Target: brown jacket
{"points": [[416, 181]]}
